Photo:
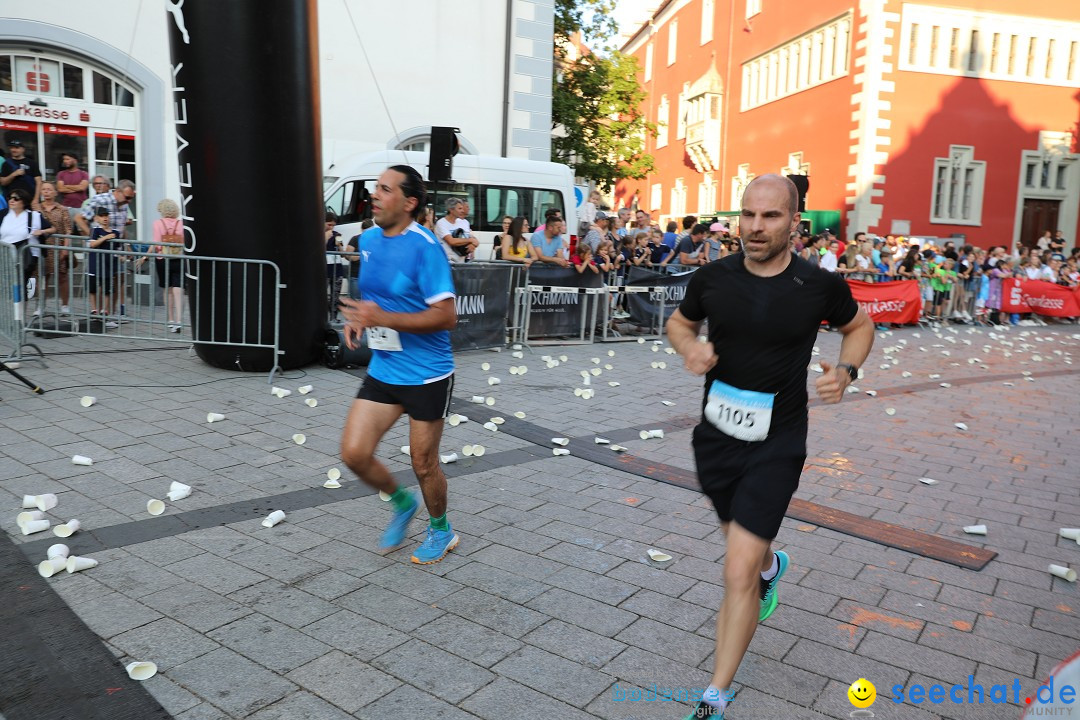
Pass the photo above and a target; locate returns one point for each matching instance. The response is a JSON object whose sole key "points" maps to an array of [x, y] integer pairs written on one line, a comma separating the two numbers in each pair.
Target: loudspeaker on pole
{"points": [[444, 146]]}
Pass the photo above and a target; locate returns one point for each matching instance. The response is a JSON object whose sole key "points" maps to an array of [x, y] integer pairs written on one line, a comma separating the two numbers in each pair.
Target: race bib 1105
{"points": [[742, 414]]}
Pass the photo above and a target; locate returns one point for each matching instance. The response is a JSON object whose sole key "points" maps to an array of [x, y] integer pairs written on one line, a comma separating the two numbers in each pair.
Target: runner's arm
{"points": [[683, 335], [854, 349], [442, 315]]}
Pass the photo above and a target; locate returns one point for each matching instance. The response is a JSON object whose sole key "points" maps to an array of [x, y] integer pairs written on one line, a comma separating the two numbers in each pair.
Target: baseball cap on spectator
{"points": [[14, 143], [601, 215], [718, 227]]}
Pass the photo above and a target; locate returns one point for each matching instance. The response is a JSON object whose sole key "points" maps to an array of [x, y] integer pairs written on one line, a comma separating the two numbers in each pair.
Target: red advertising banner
{"points": [[1039, 296], [890, 302]]}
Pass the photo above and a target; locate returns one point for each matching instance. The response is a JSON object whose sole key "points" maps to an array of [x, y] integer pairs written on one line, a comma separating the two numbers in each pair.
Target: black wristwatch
{"points": [[852, 371]]}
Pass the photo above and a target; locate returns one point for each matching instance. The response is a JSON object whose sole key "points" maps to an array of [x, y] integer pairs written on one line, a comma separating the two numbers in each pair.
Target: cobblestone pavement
{"points": [[550, 607]]}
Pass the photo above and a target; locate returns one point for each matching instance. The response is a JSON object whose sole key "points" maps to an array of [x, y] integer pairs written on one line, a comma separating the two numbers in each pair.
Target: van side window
{"points": [[502, 201], [544, 200], [352, 201], [439, 193]]}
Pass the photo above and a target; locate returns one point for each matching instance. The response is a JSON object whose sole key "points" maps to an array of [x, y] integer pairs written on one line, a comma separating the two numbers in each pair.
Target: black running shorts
{"points": [[750, 482], [421, 402]]}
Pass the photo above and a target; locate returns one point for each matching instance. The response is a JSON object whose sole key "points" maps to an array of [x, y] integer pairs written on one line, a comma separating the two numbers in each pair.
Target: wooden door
{"points": [[1039, 216]]}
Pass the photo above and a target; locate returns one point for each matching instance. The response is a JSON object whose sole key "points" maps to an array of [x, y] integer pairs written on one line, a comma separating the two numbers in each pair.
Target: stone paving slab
{"points": [[551, 603]]}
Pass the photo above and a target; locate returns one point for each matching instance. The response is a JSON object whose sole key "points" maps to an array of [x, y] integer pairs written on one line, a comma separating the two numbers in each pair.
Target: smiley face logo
{"points": [[862, 693]]}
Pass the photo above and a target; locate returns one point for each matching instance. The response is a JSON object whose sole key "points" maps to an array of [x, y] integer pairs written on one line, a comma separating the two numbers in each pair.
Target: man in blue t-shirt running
{"points": [[406, 306]]}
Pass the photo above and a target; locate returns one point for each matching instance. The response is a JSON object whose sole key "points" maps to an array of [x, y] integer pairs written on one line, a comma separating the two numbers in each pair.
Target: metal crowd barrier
{"points": [[117, 293], [587, 319], [13, 279]]}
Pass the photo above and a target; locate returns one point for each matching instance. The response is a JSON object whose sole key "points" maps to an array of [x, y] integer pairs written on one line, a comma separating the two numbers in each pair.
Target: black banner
{"points": [[557, 313], [483, 294], [643, 307], [246, 99]]}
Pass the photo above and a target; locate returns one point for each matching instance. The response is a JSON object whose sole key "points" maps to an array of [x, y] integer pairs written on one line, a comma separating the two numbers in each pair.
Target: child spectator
{"points": [[583, 259], [941, 282], [101, 268]]}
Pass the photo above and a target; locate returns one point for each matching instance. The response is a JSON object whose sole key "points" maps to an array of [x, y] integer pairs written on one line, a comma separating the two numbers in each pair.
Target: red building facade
{"points": [[908, 118]]}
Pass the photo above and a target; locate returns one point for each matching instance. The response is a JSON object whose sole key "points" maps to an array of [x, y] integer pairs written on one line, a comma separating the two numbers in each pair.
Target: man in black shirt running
{"points": [[751, 443]]}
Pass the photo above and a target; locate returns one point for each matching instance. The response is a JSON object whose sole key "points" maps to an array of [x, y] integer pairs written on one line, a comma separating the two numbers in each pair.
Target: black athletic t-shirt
{"points": [[763, 329]]}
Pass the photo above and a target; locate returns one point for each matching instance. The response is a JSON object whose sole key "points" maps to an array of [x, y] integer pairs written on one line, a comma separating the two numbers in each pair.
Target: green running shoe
{"points": [[770, 596]]}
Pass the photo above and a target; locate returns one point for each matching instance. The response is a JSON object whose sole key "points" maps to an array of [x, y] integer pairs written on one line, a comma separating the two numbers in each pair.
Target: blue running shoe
{"points": [[435, 546], [394, 534], [770, 596]]}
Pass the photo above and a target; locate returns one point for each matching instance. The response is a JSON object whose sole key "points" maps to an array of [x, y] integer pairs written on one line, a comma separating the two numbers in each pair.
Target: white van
{"points": [[494, 186]]}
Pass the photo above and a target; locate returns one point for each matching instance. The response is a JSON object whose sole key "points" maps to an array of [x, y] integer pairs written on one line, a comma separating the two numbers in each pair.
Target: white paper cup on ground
{"points": [[601, 441], [491, 426], [333, 474], [81, 460], [448, 458], [559, 451], [467, 451], [975, 529], [311, 402], [141, 670], [498, 420], [560, 441], [175, 486], [385, 497], [644, 434], [31, 515], [280, 392], [299, 438], [48, 568], [78, 564], [331, 484], [35, 526], [478, 399], [214, 417], [928, 481], [519, 415], [485, 366], [1069, 533], [658, 556], [273, 518], [29, 501], [305, 389], [46, 502], [489, 401], [67, 529], [1065, 573], [478, 450], [155, 507], [494, 381], [175, 495], [406, 450], [87, 400], [58, 550], [617, 448]]}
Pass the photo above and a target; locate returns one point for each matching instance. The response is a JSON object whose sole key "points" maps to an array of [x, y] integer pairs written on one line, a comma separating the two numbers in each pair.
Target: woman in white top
{"points": [[22, 230]]}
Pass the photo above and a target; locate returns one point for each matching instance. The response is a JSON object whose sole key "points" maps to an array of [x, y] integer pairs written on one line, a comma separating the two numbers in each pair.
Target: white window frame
{"points": [[656, 197], [678, 199], [952, 201], [753, 7], [738, 185], [990, 45], [672, 41], [663, 117], [648, 62], [814, 58], [708, 18], [683, 111], [706, 204]]}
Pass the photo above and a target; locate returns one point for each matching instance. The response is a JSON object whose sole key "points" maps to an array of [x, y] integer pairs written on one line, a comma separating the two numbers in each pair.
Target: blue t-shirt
{"points": [[547, 247], [406, 274], [671, 239]]}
